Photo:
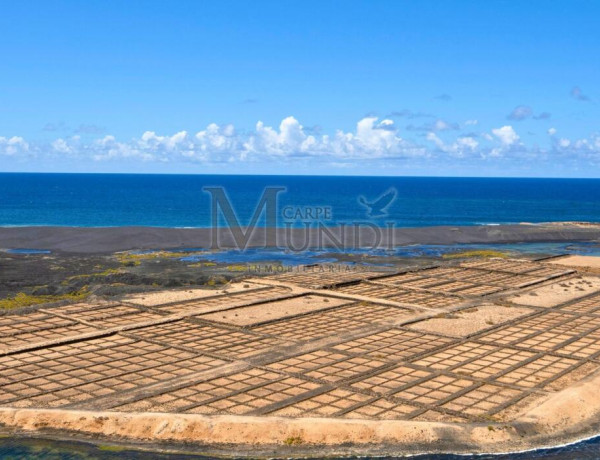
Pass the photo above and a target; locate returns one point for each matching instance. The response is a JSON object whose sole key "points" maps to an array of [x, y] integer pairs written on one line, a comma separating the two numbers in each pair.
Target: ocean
{"points": [[98, 200]]}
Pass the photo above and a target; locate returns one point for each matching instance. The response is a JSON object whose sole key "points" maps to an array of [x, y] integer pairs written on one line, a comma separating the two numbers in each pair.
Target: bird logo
{"points": [[378, 207]]}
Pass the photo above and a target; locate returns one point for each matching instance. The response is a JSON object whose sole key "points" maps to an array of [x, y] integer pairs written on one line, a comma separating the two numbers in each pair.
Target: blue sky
{"points": [[494, 88]]}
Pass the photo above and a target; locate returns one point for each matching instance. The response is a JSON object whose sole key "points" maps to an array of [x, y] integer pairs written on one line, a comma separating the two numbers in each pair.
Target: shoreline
{"points": [[107, 444], [550, 425], [98, 240], [562, 407], [231, 436]]}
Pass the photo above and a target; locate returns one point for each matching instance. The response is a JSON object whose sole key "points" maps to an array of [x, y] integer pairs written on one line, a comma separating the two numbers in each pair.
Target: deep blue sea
{"points": [[179, 200]]}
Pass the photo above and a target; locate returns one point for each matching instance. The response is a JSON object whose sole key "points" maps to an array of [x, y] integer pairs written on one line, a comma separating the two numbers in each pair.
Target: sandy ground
{"points": [[246, 316], [559, 292], [470, 320], [577, 261]]}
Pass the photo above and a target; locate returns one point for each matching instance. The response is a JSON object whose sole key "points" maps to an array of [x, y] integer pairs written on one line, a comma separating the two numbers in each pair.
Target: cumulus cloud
{"points": [[372, 139], [564, 143], [62, 146], [13, 145], [589, 147], [506, 135], [461, 147], [107, 148]]}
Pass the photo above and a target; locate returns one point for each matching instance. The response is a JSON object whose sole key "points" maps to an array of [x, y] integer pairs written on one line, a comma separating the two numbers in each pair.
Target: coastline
{"points": [[568, 417], [90, 240]]}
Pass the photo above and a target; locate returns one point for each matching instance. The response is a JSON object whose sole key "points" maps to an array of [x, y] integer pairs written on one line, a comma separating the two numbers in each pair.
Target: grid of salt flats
{"points": [[587, 305], [315, 278], [75, 373], [225, 300], [333, 322], [517, 267], [17, 332], [390, 373], [106, 316], [209, 339]]}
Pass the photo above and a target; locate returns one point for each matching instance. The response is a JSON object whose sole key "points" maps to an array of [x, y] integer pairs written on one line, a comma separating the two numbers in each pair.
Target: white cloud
{"points": [[467, 142], [506, 134], [215, 139], [580, 149], [372, 139], [441, 125], [107, 148], [62, 146], [178, 141], [289, 140], [460, 147], [564, 143], [13, 145]]}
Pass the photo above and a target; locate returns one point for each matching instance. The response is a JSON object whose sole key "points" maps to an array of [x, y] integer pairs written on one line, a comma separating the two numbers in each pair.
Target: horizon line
{"points": [[291, 175]]}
